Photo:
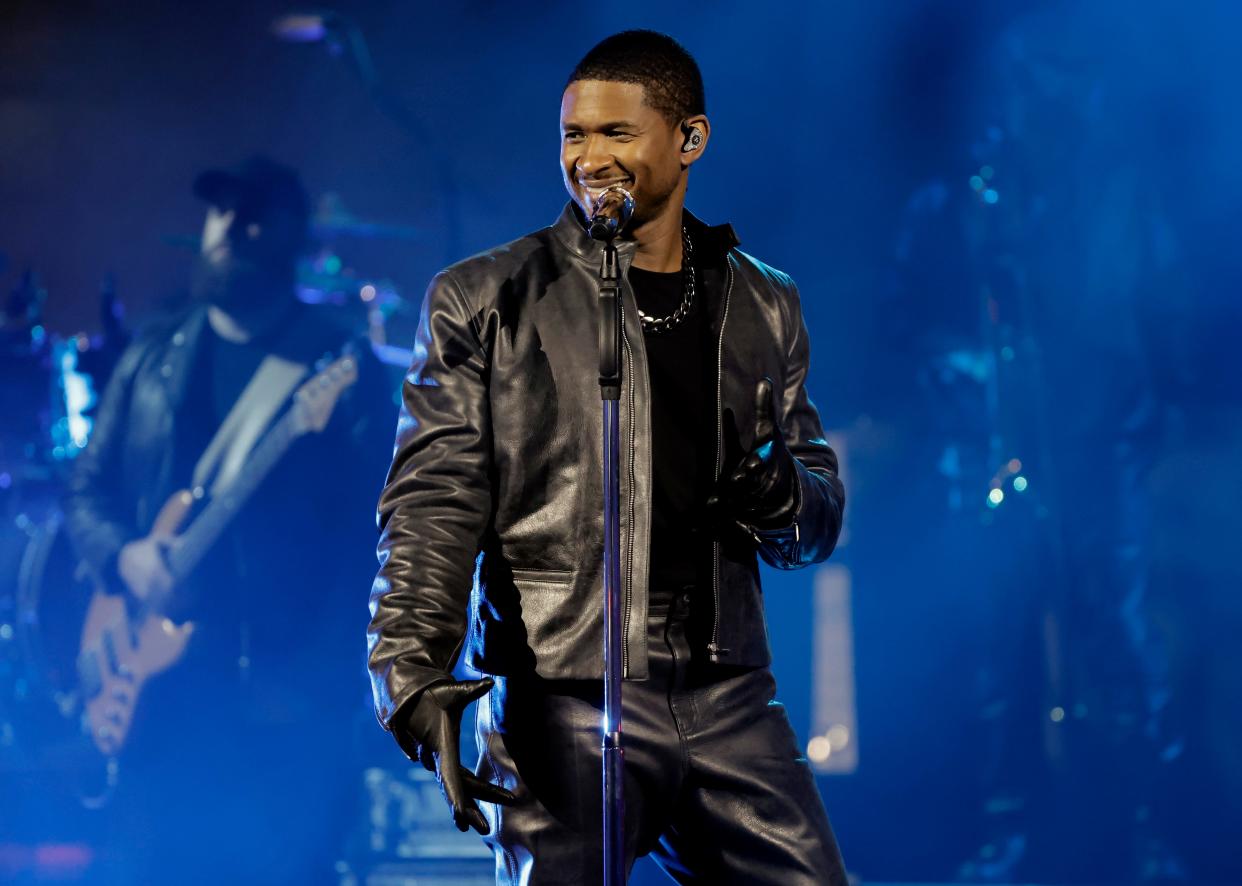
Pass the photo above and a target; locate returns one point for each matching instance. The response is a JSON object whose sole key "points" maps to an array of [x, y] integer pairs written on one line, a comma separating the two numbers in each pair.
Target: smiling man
{"points": [[492, 529]]}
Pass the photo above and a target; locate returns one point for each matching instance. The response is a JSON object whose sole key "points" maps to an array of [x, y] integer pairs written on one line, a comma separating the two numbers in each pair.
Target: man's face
{"points": [[611, 136], [242, 256]]}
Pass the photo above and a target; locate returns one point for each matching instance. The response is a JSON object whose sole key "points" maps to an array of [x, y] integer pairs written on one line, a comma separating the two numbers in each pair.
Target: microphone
{"points": [[611, 214]]}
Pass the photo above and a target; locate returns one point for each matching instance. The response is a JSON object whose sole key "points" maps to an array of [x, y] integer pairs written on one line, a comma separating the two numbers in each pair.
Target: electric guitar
{"points": [[125, 642]]}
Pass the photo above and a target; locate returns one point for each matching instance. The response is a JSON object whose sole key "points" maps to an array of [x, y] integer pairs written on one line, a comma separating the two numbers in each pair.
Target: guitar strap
{"points": [[264, 394]]}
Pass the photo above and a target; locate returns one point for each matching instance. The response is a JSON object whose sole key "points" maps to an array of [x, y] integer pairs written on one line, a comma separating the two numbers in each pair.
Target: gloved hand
{"points": [[758, 486], [431, 735]]}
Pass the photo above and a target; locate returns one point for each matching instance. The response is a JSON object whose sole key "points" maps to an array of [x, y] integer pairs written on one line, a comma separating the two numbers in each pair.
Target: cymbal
{"points": [[332, 220], [337, 228]]}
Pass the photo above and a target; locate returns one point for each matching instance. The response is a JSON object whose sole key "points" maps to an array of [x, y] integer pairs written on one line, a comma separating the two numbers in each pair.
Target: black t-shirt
{"points": [[682, 372], [232, 365]]}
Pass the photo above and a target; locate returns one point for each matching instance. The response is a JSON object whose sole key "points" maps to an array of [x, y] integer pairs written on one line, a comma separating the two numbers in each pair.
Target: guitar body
{"points": [[122, 649], [126, 642]]}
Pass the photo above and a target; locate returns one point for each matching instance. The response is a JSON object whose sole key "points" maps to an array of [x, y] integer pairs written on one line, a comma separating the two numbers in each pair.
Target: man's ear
{"points": [[695, 132]]}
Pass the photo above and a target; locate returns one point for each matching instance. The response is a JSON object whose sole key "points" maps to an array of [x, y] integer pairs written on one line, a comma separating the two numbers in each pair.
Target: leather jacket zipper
{"points": [[628, 582], [714, 651]]}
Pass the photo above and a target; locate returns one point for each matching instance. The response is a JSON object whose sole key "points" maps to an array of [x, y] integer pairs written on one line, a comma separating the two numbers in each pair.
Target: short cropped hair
{"points": [[669, 75]]}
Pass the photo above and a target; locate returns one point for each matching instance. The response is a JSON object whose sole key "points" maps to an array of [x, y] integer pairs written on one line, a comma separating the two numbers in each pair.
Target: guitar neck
{"points": [[207, 527]]}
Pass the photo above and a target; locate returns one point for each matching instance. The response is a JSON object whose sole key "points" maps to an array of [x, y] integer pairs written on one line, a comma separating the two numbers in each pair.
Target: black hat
{"points": [[256, 185]]}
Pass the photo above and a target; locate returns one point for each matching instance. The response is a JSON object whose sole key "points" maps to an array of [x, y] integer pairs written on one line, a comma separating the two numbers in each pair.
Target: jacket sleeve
{"points": [[435, 506], [98, 518], [812, 535]]}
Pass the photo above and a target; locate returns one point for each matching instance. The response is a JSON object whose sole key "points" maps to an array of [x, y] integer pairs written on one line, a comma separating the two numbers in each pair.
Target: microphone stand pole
{"points": [[610, 394]]}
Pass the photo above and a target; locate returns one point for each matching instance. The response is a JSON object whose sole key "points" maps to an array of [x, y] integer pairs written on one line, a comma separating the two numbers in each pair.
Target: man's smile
{"points": [[595, 188]]}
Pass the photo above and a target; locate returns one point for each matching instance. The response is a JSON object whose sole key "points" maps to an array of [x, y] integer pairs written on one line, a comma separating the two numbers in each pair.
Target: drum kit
{"points": [[48, 387]]}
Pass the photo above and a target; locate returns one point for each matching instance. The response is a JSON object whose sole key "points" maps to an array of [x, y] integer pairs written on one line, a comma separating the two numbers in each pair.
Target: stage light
{"points": [[838, 737], [995, 497], [301, 27], [1019, 483], [819, 749], [75, 428], [1057, 714]]}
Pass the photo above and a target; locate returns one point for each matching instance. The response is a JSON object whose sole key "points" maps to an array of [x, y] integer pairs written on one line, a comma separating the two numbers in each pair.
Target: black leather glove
{"points": [[759, 485], [430, 733]]}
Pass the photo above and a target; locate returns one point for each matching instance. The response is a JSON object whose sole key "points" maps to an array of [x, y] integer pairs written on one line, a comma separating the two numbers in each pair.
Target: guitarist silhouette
{"points": [[222, 510]]}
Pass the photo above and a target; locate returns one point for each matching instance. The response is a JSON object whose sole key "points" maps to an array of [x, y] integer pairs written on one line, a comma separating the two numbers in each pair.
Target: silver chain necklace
{"points": [[664, 324]]}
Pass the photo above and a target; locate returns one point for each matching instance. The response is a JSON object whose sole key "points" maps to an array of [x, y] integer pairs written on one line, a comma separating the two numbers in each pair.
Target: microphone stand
{"points": [[610, 395]]}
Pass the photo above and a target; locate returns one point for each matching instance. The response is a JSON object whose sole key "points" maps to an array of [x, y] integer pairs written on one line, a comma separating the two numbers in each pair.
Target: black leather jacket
{"points": [[139, 453], [491, 526]]}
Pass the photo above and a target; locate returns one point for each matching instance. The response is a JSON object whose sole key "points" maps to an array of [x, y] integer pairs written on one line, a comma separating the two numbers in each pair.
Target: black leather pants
{"points": [[715, 785]]}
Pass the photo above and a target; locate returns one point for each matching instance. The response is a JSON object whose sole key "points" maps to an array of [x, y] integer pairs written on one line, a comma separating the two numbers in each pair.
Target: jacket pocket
{"points": [[544, 595], [543, 576]]}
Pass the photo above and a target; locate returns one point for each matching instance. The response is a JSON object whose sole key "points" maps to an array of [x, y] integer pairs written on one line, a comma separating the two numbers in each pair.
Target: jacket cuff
{"points": [[401, 686]]}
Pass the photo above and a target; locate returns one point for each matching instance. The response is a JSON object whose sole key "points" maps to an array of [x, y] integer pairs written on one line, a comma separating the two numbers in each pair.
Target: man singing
{"points": [[492, 528]]}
